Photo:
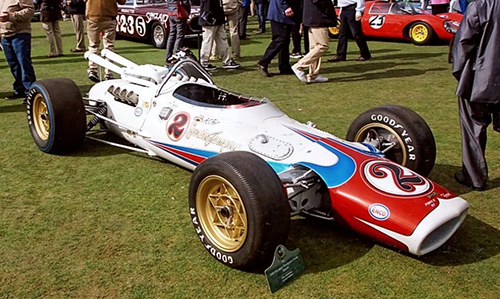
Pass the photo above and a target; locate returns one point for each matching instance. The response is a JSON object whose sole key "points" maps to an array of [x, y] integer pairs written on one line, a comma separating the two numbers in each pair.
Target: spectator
{"points": [[261, 6], [15, 31], [50, 14], [76, 9], [101, 18], [212, 20], [232, 10], [281, 16], [178, 25], [439, 6], [476, 66], [318, 15], [350, 20], [243, 17]]}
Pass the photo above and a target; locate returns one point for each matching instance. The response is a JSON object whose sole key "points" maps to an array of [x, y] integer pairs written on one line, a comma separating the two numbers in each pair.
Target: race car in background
{"points": [[147, 20], [403, 20]]}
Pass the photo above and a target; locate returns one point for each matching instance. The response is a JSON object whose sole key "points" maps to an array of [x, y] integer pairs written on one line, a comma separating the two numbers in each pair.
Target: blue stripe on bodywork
{"points": [[336, 174], [276, 166], [333, 175]]}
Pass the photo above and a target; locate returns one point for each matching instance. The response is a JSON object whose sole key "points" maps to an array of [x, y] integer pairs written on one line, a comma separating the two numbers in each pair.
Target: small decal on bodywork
{"points": [[379, 211]]}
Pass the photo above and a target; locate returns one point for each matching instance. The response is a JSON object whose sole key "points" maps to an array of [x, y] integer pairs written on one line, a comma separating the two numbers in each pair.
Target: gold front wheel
{"points": [[222, 213], [239, 210]]}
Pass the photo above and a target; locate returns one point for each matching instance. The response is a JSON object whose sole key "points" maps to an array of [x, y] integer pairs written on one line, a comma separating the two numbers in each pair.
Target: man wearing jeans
{"points": [[15, 30], [101, 18]]}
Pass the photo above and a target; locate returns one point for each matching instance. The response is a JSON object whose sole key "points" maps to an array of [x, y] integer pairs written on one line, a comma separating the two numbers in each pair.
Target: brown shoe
{"points": [[76, 50], [337, 58]]}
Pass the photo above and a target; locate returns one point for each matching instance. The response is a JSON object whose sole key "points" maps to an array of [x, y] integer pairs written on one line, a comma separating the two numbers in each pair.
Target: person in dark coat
{"points": [[76, 8], [351, 12], [317, 16], [476, 66], [178, 25], [281, 14], [212, 20], [50, 14]]}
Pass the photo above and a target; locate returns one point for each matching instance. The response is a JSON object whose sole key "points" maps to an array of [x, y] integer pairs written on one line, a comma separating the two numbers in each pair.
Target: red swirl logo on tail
{"points": [[393, 179]]}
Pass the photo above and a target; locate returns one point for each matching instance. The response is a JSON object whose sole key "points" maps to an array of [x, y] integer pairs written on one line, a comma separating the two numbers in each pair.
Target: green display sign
{"points": [[285, 267]]}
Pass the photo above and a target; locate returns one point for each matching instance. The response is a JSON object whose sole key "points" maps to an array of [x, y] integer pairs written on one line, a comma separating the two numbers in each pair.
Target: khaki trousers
{"points": [[77, 21], [318, 45], [108, 29], [53, 34], [218, 35]]}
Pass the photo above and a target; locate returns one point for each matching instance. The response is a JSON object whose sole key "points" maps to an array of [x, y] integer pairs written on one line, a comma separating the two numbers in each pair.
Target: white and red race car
{"points": [[254, 167]]}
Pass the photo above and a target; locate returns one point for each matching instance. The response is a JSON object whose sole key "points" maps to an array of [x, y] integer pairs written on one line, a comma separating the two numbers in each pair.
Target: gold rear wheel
{"points": [[41, 118]]}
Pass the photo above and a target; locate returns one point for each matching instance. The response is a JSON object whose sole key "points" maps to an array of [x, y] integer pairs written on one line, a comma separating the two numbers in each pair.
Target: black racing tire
{"points": [[413, 142], [239, 209], [421, 33], [158, 36], [56, 115]]}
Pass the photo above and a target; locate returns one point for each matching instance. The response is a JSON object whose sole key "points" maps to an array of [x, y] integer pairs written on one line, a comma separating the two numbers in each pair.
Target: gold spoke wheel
{"points": [[41, 117], [222, 213], [386, 137]]}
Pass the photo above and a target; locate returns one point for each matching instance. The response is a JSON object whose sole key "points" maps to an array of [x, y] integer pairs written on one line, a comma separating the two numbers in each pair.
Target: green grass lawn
{"points": [[105, 222]]}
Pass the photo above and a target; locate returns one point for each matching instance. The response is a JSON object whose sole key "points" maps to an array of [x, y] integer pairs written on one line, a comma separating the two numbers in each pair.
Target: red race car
{"points": [[402, 20]]}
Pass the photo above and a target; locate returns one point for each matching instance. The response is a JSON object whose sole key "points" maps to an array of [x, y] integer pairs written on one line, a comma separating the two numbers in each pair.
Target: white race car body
{"points": [[178, 114]]}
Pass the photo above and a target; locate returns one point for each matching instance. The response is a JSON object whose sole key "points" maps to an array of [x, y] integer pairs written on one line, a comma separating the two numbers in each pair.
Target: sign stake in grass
{"points": [[285, 267]]}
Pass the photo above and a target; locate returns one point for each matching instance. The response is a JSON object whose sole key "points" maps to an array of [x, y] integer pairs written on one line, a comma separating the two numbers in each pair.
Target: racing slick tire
{"points": [[398, 131], [158, 36], [239, 209], [56, 115], [421, 33]]}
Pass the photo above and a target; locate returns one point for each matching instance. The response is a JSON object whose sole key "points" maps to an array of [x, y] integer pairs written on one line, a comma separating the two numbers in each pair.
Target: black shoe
{"points": [[231, 64], [464, 179], [361, 58], [263, 70], [287, 72], [210, 67], [93, 76], [337, 58], [15, 96]]}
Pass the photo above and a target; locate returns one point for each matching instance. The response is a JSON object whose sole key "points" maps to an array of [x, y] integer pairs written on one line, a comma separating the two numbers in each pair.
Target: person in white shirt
{"points": [[350, 20]]}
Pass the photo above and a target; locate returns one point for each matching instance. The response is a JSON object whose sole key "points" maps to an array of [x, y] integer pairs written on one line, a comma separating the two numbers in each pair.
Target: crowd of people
{"points": [[475, 50]]}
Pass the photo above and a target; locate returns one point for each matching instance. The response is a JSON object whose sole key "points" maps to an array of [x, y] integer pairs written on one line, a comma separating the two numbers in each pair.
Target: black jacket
{"points": [[211, 13], [50, 10], [319, 13], [476, 53], [76, 7]]}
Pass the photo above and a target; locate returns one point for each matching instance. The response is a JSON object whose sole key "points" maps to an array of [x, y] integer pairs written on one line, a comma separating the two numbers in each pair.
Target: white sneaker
{"points": [[318, 79], [299, 73]]}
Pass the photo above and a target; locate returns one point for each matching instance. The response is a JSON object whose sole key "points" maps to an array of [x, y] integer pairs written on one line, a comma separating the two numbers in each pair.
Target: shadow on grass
{"points": [[444, 175], [396, 73], [473, 242], [326, 245], [19, 107]]}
